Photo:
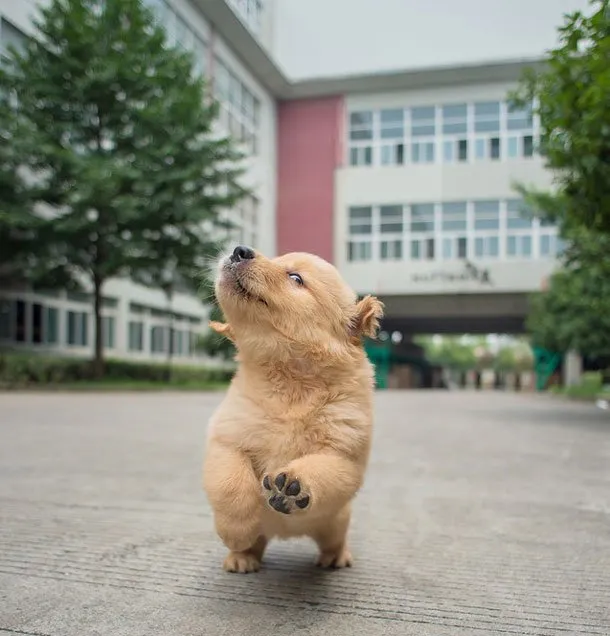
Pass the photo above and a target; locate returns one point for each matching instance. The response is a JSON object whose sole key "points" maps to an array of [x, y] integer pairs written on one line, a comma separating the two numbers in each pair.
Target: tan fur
{"points": [[300, 406]]}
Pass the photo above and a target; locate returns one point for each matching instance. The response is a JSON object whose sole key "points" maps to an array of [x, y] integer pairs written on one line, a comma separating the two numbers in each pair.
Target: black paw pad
{"points": [[294, 488], [278, 502], [280, 481], [303, 502], [267, 483]]}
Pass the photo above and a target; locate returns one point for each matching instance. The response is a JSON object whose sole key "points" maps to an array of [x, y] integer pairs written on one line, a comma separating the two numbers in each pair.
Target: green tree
{"points": [[574, 313], [570, 93], [117, 129]]}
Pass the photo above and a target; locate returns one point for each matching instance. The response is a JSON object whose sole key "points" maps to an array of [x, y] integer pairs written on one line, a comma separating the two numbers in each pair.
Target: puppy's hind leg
{"points": [[332, 541]]}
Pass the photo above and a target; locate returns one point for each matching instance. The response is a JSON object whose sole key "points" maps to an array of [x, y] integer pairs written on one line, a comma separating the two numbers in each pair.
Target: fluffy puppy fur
{"points": [[288, 446]]}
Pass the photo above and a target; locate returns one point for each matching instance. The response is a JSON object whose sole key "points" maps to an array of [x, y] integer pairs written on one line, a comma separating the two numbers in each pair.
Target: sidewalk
{"points": [[482, 514]]}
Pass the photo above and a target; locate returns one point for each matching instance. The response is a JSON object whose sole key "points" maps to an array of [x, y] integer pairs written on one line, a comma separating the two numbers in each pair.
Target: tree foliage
{"points": [[574, 313], [117, 130], [571, 93]]}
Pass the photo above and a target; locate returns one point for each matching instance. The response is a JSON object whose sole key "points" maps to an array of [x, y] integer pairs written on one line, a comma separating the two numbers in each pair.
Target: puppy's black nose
{"points": [[242, 253]]}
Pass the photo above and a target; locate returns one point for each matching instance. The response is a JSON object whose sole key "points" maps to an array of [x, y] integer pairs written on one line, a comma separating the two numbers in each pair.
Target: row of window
{"points": [[239, 107], [41, 325], [440, 133], [449, 230], [179, 33]]}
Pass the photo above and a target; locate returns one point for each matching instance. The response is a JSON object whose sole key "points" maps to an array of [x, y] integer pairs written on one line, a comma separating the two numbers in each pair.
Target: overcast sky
{"points": [[331, 37]]}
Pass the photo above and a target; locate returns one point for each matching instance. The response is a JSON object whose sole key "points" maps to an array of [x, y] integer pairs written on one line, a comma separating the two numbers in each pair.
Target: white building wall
{"points": [[436, 183]]}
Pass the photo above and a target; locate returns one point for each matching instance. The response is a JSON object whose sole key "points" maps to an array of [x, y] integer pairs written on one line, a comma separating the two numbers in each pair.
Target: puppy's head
{"points": [[297, 301]]}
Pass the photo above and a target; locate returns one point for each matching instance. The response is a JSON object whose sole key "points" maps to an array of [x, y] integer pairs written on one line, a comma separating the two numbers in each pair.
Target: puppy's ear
{"points": [[366, 319], [223, 328]]}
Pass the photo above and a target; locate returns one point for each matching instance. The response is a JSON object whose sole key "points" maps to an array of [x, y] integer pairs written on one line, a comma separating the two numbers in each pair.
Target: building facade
{"points": [[404, 180]]}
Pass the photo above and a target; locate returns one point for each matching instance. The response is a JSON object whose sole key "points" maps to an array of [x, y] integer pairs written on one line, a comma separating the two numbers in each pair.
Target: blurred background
{"points": [[421, 148]]}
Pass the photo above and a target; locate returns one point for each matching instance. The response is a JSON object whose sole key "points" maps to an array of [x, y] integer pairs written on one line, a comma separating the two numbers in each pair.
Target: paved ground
{"points": [[482, 514]]}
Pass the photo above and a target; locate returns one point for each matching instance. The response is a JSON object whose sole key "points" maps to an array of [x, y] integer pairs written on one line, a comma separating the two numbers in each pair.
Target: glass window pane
{"points": [[487, 117], [478, 247], [423, 121], [391, 218], [480, 149], [454, 118], [493, 246], [513, 147], [528, 146], [422, 217], [462, 150], [454, 216], [415, 250], [511, 245], [52, 329], [448, 148], [526, 245], [447, 248]]}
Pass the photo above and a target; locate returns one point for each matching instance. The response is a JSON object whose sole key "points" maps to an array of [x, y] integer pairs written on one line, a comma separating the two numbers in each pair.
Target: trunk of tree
{"points": [[170, 330], [98, 358]]}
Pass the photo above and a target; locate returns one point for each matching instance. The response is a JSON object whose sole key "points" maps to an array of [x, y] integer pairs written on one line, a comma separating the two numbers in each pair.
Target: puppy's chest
{"points": [[281, 440]]}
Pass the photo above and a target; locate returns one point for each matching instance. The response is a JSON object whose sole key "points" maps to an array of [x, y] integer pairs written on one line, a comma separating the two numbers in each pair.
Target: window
{"points": [[455, 247], [391, 227], [487, 117], [455, 128], [77, 329], [359, 251], [422, 249], [52, 325], [486, 246], [487, 215], [517, 217], [487, 130], [6, 319], [360, 220], [157, 339], [108, 329], [518, 245], [392, 124], [551, 245], [37, 325], [422, 231], [391, 250], [361, 136], [422, 217], [20, 327], [390, 219], [454, 216], [392, 130], [486, 229], [240, 109], [453, 225], [360, 225], [423, 125], [136, 336], [11, 36], [528, 146]]}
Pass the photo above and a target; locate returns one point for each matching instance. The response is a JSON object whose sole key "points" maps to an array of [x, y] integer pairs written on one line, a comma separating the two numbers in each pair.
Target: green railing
{"points": [[545, 364]]}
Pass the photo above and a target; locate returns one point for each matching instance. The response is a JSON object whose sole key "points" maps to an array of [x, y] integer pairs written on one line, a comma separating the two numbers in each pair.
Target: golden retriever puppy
{"points": [[288, 447]]}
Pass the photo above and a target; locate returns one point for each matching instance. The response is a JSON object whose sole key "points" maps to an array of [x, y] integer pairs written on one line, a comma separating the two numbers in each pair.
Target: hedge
{"points": [[20, 370]]}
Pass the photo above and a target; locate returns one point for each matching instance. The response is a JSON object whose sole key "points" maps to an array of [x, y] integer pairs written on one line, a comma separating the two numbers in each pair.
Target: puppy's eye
{"points": [[296, 278]]}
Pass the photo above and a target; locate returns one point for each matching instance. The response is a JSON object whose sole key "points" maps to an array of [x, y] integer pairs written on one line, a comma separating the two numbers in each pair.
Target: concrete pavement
{"points": [[482, 514]]}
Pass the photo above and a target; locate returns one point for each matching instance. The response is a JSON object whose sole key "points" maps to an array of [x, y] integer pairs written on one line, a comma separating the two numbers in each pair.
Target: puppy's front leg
{"points": [[321, 484], [234, 494]]}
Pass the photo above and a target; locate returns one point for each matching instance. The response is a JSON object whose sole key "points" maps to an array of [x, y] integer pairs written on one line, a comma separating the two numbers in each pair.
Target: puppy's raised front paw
{"points": [[287, 493]]}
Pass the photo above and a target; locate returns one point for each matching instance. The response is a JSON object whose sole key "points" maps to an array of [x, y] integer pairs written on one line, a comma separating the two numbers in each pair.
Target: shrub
{"points": [[22, 370]]}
